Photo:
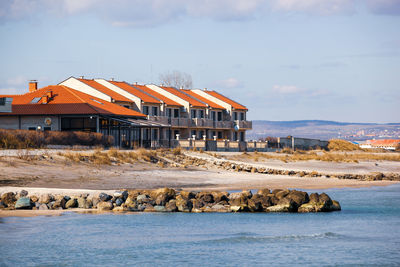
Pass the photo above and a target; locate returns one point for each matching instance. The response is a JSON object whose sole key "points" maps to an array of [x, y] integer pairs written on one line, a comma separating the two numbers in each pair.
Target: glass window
{"points": [[213, 116], [219, 116], [169, 113], [146, 110], [219, 135], [176, 113], [193, 113], [154, 111], [235, 116], [201, 115], [235, 136], [242, 118], [193, 133]]}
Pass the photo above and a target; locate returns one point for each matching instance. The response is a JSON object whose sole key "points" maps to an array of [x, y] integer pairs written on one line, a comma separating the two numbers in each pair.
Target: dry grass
{"points": [[20, 139], [342, 145], [322, 156]]}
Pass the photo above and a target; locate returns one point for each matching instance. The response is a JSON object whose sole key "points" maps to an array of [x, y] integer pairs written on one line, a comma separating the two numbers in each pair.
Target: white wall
{"points": [[169, 95], [84, 88], [120, 91], [227, 106]]}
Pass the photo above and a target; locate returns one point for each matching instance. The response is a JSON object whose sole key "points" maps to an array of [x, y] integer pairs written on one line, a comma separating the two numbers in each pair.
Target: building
{"points": [[389, 144], [135, 115]]}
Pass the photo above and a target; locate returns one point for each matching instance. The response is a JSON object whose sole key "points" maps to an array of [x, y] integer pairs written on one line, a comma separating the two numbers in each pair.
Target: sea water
{"points": [[365, 233]]}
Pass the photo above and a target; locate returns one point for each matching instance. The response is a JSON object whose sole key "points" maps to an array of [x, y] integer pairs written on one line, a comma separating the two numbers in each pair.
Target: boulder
{"points": [[162, 195], [104, 197], [240, 199], [84, 203], [24, 203], [130, 203], [34, 198], [314, 198], [105, 205], [218, 208], [171, 205], [134, 193], [59, 203], [149, 208], [43, 207], [335, 206], [264, 192], [259, 203], [45, 198], [142, 199], [9, 198], [276, 191], [220, 196], [281, 194], [160, 208], [299, 197], [119, 201], [120, 209], [196, 204], [205, 197], [324, 198], [121, 194], [183, 205], [3, 205], [95, 201], [72, 203], [284, 205], [187, 195], [23, 193]]}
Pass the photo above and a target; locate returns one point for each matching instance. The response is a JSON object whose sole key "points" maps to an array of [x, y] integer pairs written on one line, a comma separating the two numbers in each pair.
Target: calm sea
{"points": [[365, 233]]}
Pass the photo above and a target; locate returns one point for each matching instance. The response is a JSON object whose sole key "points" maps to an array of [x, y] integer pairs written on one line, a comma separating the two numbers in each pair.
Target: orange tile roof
{"points": [[165, 99], [384, 142], [203, 99], [114, 95], [134, 91], [192, 101], [234, 104], [65, 101]]}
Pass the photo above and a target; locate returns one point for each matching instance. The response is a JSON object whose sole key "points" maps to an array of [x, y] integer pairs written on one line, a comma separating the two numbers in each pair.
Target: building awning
{"points": [[140, 123]]}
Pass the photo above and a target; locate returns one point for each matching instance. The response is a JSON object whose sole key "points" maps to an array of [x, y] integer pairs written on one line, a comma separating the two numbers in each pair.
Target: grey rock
{"points": [[119, 201], [23, 203], [43, 207], [160, 208], [104, 197], [46, 198], [23, 193], [72, 203], [3, 205]]}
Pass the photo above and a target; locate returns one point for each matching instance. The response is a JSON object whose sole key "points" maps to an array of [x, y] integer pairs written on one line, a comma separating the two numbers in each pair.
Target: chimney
{"points": [[181, 87], [45, 99], [81, 77], [32, 86], [205, 89], [50, 94], [112, 79], [135, 83]]}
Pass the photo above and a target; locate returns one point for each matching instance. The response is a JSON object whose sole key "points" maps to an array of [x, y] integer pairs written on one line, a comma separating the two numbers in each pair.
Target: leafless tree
{"points": [[176, 79]]}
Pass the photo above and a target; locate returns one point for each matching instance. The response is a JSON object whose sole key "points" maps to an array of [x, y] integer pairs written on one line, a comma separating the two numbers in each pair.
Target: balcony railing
{"points": [[223, 124], [201, 122], [181, 122], [244, 124], [160, 119]]}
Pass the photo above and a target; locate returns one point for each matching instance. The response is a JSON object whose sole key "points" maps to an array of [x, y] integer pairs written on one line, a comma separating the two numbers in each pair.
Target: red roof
{"points": [[234, 104], [165, 99], [203, 99], [384, 142], [64, 101], [99, 87], [134, 91], [192, 101]]}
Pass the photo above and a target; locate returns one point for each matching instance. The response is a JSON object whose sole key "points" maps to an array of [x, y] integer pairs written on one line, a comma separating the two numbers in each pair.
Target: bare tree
{"points": [[176, 79]]}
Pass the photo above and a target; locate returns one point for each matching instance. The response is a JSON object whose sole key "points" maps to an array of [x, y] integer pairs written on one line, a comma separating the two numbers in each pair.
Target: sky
{"points": [[284, 59]]}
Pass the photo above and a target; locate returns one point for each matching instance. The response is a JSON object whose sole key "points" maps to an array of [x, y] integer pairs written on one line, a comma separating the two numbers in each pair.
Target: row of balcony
{"points": [[201, 123]]}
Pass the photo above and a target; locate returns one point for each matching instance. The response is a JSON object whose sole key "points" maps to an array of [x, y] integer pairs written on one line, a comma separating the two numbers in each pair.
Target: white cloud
{"points": [[229, 83], [287, 89], [18, 80], [320, 7], [154, 12]]}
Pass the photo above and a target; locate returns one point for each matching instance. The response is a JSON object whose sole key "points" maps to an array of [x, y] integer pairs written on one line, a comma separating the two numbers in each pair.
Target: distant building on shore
{"points": [[135, 115], [389, 144]]}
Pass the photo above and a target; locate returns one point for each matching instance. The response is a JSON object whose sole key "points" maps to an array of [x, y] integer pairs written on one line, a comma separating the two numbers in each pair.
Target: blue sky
{"points": [[283, 59]]}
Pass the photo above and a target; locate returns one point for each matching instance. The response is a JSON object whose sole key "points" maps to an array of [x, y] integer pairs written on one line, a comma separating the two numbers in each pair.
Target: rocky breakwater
{"points": [[169, 200]]}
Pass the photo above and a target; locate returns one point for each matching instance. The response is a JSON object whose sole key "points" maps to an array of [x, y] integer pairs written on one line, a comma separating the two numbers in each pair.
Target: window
{"points": [[176, 132], [201, 133], [242, 117], [32, 128], [126, 106], [37, 99], [47, 129], [193, 133], [235, 116], [235, 136], [169, 113], [2, 101], [219, 135], [154, 111], [213, 134], [213, 116], [242, 136], [155, 134], [146, 110], [219, 116], [193, 113], [201, 115], [176, 113]]}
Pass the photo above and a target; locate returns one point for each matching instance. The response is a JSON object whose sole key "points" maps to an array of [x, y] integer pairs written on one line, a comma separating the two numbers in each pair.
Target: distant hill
{"points": [[324, 130]]}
